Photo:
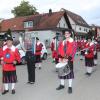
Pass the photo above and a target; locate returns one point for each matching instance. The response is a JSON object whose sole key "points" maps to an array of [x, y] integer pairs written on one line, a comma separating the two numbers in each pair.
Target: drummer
{"points": [[67, 51]]}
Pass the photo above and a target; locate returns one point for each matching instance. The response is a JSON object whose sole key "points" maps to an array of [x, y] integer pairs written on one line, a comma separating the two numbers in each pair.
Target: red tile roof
{"points": [[40, 21], [13, 24]]}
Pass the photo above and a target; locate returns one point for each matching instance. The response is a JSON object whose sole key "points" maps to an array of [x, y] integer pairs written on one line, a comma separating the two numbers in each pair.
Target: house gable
{"points": [[78, 20], [48, 21], [62, 23]]}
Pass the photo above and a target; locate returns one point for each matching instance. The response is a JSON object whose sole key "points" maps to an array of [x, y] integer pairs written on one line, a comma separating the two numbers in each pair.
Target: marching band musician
{"points": [[53, 49], [78, 44], [30, 58], [54, 45], [9, 57], [67, 51], [95, 53], [83, 42], [29, 47], [89, 56], [39, 46]]}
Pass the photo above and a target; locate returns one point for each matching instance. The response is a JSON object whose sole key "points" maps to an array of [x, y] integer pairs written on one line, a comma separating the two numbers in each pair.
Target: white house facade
{"points": [[78, 28], [47, 35], [62, 23]]}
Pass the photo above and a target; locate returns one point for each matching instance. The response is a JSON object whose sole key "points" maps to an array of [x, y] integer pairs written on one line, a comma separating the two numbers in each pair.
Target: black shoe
{"points": [[39, 68], [95, 64], [60, 87], [5, 91], [81, 59], [13, 91], [89, 74], [32, 82], [69, 90], [28, 82]]}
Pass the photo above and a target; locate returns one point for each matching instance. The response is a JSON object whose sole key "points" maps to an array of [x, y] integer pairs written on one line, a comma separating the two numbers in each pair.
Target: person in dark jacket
{"points": [[30, 59]]}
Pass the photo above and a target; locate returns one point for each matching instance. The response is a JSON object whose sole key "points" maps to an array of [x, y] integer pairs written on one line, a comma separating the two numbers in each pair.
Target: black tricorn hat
{"points": [[37, 38], [8, 37]]}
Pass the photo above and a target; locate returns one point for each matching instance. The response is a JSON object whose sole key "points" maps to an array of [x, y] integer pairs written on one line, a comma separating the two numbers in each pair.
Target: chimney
{"points": [[50, 12]]}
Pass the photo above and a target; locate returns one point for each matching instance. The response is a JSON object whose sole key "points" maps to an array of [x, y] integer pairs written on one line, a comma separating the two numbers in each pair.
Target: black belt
{"points": [[7, 63]]}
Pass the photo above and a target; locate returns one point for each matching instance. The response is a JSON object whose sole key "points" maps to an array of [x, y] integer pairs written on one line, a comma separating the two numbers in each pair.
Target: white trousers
{"points": [[89, 69], [62, 82], [6, 86]]}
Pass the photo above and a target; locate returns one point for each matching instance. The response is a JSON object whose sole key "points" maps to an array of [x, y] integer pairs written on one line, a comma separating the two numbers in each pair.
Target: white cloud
{"points": [[82, 7]]}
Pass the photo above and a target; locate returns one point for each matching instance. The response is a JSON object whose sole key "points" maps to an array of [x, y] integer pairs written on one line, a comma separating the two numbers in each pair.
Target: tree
{"points": [[24, 9]]}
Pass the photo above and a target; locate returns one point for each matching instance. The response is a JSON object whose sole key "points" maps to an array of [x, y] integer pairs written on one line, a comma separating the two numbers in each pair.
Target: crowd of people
{"points": [[85, 48], [10, 56]]}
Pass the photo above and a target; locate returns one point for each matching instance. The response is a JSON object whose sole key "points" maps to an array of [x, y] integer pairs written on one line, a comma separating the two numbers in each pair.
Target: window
{"points": [[80, 28], [28, 24]]}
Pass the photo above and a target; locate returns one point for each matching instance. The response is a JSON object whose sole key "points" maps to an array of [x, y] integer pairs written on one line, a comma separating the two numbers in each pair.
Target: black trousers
{"points": [[31, 71], [30, 58]]}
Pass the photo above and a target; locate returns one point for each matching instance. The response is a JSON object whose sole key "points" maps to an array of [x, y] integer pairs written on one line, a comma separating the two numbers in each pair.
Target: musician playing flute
{"points": [[89, 56], [52, 46], [39, 46], [66, 52]]}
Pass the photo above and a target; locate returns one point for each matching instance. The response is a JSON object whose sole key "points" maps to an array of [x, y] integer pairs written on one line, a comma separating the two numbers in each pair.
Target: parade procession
{"points": [[64, 50], [52, 55]]}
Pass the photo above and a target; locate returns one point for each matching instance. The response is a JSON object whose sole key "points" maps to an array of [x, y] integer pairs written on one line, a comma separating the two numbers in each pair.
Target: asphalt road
{"points": [[84, 88]]}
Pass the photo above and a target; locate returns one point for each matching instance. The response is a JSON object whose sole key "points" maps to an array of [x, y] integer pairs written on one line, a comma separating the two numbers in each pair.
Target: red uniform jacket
{"points": [[8, 55], [52, 46], [90, 52], [38, 48], [54, 51], [82, 46], [79, 44], [70, 50]]}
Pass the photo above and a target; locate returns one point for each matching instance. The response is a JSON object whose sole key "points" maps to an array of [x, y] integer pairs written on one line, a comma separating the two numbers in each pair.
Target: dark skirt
{"points": [[89, 62], [71, 74], [38, 59], [9, 77]]}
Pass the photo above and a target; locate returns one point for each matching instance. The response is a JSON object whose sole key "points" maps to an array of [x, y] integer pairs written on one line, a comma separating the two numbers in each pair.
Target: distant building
{"points": [[96, 29], [45, 26]]}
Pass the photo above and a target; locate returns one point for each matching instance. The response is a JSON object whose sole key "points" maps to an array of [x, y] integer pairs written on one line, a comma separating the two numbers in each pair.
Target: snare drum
{"points": [[63, 69]]}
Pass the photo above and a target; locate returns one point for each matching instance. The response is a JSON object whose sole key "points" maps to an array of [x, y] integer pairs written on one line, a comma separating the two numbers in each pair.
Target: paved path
{"points": [[84, 88]]}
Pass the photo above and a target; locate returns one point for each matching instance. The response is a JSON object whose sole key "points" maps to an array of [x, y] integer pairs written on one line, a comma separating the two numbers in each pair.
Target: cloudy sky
{"points": [[88, 9]]}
